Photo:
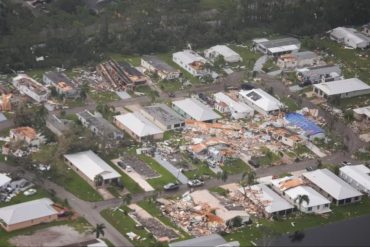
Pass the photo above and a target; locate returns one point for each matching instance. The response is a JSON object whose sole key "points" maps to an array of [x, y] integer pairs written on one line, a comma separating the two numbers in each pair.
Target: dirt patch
{"points": [[52, 236]]}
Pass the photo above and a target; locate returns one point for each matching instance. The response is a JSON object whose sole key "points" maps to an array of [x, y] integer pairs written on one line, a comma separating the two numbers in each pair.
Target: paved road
{"points": [[83, 208]]}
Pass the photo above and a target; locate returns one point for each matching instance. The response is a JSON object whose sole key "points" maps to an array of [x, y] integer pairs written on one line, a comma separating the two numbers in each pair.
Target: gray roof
{"points": [[164, 114], [27, 211], [104, 126], [158, 63], [60, 124], [324, 69], [196, 110], [305, 55], [205, 241], [280, 42]]}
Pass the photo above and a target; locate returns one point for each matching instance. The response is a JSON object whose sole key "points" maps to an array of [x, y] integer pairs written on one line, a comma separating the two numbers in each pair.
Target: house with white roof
{"points": [[4, 180], [224, 51], [362, 113], [358, 176], [291, 188], [261, 194], [333, 187], [277, 47], [30, 87], [261, 101], [226, 104], [192, 62], [344, 88], [27, 214], [89, 165], [350, 37], [138, 127], [191, 108]]}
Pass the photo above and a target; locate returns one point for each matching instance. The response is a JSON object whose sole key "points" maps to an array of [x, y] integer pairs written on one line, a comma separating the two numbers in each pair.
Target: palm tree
{"points": [[223, 175], [127, 199], [98, 180], [248, 178], [300, 199], [99, 229]]}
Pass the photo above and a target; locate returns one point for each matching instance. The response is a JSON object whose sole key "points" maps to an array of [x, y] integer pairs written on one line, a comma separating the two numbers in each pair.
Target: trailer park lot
{"points": [[266, 143]]}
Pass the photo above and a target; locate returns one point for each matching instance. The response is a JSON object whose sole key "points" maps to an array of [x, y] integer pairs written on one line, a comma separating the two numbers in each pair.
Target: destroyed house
{"points": [[62, 84], [305, 126], [158, 66], [99, 126], [121, 77], [58, 126], [27, 134], [191, 61], [298, 60], [28, 86]]}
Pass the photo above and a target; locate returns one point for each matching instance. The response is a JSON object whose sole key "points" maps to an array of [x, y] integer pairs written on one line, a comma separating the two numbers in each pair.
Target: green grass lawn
{"points": [[64, 176], [249, 57], [124, 224], [235, 166], [214, 4], [170, 85], [270, 66], [103, 97], [219, 190], [301, 221], [268, 157], [165, 178], [80, 225], [200, 168], [152, 209], [290, 103]]}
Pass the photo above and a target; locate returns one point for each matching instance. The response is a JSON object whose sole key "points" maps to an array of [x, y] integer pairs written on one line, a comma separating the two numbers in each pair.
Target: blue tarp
{"points": [[300, 121]]}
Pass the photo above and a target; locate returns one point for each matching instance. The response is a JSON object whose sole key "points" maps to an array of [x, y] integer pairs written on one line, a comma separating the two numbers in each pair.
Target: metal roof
{"points": [[205, 241], [331, 184], [342, 86], [92, 165], [164, 114], [280, 42], [195, 109], [189, 56], [261, 99], [223, 50], [315, 197], [138, 124], [359, 173], [4, 179], [27, 211]]}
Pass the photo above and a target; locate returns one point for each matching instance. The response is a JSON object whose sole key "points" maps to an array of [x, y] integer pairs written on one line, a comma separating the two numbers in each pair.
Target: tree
{"points": [[84, 90], [127, 199], [99, 230], [300, 199], [319, 163], [98, 180], [223, 175], [248, 178]]}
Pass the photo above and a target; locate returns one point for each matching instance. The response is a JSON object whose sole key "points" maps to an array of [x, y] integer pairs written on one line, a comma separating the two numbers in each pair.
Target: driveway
{"points": [[258, 65]]}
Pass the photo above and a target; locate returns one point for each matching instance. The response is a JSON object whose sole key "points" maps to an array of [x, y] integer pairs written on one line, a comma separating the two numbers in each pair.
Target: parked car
{"points": [[30, 192], [310, 168], [195, 183], [246, 86], [346, 163], [253, 163], [128, 168], [121, 164], [171, 186]]}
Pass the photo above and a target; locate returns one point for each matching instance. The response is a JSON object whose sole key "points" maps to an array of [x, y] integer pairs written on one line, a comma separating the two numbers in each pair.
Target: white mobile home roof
{"points": [[331, 184], [4, 179], [27, 211], [363, 111], [196, 109], [224, 51], [342, 86], [359, 173], [343, 32], [92, 165], [270, 199], [262, 99], [315, 197], [236, 106], [189, 56], [284, 48], [138, 124]]}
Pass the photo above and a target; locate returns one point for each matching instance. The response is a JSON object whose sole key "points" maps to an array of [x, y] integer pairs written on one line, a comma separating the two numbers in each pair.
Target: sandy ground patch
{"points": [[52, 236]]}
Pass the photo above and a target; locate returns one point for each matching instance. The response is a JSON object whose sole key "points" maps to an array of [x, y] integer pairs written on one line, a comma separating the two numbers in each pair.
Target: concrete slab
{"points": [[136, 177], [172, 169], [123, 95]]}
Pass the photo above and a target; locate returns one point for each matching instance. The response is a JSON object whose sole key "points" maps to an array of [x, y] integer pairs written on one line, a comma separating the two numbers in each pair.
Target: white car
{"points": [[30, 192]]}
